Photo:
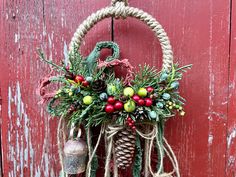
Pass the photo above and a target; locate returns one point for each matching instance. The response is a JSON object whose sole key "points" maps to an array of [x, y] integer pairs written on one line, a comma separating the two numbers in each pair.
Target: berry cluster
{"points": [[172, 105], [143, 92], [130, 122], [113, 105]]}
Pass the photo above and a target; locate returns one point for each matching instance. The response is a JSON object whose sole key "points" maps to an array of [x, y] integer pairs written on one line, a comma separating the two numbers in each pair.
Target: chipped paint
{"points": [[210, 139], [21, 152], [230, 137]]}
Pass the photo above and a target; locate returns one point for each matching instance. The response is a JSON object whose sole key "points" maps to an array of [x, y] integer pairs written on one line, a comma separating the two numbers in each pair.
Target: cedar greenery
{"points": [[69, 98]]}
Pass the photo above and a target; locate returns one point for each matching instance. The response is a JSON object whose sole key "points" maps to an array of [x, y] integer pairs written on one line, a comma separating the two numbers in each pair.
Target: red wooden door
{"points": [[202, 32]]}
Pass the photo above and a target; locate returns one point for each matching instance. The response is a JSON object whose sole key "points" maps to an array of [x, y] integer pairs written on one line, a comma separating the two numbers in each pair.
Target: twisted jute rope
{"points": [[121, 10]]}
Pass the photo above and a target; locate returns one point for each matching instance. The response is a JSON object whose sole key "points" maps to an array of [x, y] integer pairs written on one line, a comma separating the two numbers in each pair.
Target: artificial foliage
{"points": [[90, 94]]}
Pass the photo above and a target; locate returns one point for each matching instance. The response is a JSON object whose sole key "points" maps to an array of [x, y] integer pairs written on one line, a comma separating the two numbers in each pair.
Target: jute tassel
{"points": [[150, 135]]}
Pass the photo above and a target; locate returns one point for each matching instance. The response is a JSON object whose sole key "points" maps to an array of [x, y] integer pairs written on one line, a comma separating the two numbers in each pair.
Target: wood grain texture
{"points": [[199, 32], [231, 131], [28, 134]]}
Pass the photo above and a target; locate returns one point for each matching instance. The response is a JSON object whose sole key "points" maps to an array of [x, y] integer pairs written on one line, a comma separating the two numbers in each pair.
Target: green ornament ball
{"points": [[87, 100], [142, 92], [128, 91], [129, 106]]}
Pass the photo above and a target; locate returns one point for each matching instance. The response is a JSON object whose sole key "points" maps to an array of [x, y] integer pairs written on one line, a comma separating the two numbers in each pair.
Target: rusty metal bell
{"points": [[75, 154]]}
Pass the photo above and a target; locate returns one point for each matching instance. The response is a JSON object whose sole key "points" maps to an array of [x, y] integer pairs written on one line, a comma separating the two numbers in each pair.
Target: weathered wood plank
{"points": [[231, 132], [199, 34], [28, 135]]}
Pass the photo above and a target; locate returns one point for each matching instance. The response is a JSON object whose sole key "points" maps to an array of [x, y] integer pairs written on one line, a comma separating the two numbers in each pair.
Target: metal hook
{"points": [[113, 2]]}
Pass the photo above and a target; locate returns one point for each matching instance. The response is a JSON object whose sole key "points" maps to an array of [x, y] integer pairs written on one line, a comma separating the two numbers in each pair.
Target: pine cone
{"points": [[125, 147], [99, 86]]}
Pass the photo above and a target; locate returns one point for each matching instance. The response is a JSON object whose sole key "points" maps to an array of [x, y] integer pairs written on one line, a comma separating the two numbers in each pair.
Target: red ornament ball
{"points": [[150, 89], [85, 83], [79, 79], [109, 108], [148, 102], [141, 102], [136, 98], [118, 105], [111, 100]]}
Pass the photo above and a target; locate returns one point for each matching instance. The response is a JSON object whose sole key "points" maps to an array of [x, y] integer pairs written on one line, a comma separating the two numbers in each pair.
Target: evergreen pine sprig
{"points": [[84, 98]]}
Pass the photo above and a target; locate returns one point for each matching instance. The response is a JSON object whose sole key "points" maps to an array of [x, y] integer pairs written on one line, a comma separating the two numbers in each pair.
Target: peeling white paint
{"points": [[230, 137], [210, 139], [21, 151], [17, 37], [9, 102]]}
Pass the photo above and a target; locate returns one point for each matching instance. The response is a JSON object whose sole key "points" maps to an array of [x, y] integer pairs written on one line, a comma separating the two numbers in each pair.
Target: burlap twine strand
{"points": [[110, 131], [120, 10]]}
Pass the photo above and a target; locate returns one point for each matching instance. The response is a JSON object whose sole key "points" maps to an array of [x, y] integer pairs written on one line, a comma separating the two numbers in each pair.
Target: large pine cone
{"points": [[125, 147]]}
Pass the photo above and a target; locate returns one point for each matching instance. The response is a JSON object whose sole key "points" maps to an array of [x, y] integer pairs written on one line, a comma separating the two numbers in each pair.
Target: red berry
{"points": [[148, 102], [111, 100], [130, 124], [150, 89], [85, 83], [109, 108], [67, 67], [79, 79], [133, 127], [118, 105], [141, 102], [129, 119], [136, 98], [132, 121]]}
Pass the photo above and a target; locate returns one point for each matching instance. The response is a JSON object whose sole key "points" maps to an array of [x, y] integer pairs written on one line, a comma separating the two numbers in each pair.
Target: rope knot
{"points": [[119, 9], [113, 2]]}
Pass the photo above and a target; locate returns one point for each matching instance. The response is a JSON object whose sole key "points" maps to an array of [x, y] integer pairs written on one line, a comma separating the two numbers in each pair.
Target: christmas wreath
{"points": [[127, 109]]}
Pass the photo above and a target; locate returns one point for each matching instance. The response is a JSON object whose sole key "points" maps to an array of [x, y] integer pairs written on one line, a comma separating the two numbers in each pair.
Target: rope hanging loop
{"points": [[114, 2]]}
